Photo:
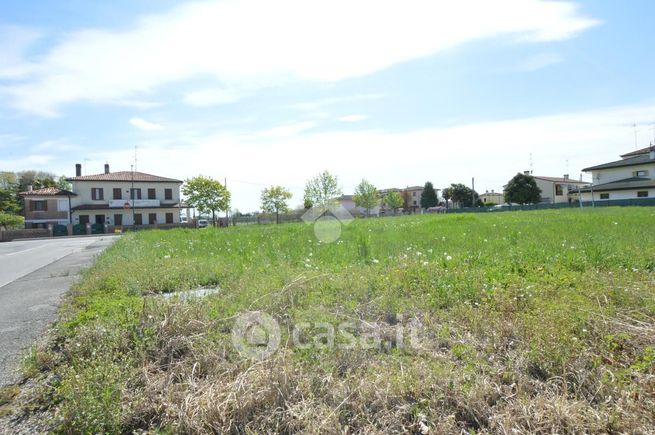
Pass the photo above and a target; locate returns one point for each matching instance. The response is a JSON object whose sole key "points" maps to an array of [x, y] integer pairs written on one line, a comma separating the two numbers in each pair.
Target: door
{"points": [[152, 218], [169, 218], [118, 220], [100, 218], [138, 219], [84, 219]]}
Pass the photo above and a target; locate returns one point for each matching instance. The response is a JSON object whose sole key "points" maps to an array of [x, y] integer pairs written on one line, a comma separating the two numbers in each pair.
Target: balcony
{"points": [[138, 203]]}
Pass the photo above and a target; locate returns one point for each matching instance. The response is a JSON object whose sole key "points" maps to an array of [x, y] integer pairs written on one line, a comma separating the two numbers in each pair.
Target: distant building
{"points": [[628, 178], [557, 190], [348, 203], [492, 197]]}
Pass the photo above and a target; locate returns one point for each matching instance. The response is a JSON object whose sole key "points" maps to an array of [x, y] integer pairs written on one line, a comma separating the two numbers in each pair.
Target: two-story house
{"points": [[124, 198], [557, 190], [628, 178], [47, 206]]}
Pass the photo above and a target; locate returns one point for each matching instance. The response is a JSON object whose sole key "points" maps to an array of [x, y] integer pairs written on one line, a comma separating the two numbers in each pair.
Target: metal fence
{"points": [[640, 202]]}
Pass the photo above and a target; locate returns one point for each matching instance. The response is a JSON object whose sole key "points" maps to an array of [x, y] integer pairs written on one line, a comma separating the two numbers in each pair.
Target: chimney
{"points": [[78, 169], [566, 176], [526, 172], [106, 168], [30, 187]]}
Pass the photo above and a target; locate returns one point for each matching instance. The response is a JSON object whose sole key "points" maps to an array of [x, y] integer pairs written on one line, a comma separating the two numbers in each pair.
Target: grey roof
{"points": [[638, 152], [630, 161], [624, 184], [125, 176]]}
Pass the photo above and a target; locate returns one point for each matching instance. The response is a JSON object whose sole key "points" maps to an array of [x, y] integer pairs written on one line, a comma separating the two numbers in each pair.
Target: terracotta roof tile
{"points": [[124, 176], [48, 191]]}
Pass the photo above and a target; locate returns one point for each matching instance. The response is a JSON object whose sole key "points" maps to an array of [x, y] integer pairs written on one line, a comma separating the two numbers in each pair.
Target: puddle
{"points": [[186, 295]]}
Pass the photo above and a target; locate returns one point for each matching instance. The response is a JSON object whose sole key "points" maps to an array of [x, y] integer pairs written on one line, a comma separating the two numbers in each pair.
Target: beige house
{"points": [[628, 178], [492, 197], [124, 198], [557, 190], [348, 203]]}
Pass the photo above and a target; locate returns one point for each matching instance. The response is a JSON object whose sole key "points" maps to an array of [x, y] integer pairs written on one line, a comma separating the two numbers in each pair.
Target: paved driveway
{"points": [[34, 274]]}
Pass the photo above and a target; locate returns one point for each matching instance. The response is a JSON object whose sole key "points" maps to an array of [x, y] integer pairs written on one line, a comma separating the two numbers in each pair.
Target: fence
{"points": [[641, 202]]}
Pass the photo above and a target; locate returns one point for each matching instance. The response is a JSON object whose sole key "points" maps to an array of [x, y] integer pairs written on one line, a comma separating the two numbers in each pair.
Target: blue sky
{"points": [[269, 93]]}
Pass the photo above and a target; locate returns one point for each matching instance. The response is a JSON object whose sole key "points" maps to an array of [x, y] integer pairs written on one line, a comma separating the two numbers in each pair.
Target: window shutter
{"points": [[31, 201], [45, 205]]}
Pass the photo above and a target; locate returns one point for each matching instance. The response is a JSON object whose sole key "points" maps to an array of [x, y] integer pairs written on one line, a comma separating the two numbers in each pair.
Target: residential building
{"points": [[47, 206], [348, 203], [412, 196], [628, 178], [124, 198], [557, 190], [492, 197]]}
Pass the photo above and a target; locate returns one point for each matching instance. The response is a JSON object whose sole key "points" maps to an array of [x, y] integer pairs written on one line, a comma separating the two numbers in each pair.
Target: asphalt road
{"points": [[34, 274]]}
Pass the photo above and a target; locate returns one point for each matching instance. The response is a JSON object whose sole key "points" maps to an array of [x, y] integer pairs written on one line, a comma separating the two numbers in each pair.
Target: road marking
{"points": [[24, 250]]}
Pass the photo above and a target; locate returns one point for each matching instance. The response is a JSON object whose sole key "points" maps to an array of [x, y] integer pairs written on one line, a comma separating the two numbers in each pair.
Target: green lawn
{"points": [[529, 322]]}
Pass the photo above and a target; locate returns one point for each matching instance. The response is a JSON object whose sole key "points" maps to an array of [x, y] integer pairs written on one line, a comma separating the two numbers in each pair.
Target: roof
{"points": [[560, 180], [125, 176], [638, 152], [624, 184], [48, 191], [630, 161]]}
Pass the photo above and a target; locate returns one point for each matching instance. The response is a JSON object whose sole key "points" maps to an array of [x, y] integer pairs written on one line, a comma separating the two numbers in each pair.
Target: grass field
{"points": [[522, 322]]}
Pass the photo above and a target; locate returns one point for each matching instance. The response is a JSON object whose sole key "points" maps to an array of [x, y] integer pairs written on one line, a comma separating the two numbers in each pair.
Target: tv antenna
{"points": [[135, 149], [531, 171], [634, 125]]}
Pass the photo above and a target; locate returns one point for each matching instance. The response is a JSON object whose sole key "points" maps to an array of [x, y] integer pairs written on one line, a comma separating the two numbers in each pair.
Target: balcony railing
{"points": [[127, 203]]}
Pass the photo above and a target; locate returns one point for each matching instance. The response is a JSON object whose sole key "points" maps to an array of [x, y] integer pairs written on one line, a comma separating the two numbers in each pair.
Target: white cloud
{"points": [[352, 118], [145, 125], [539, 61], [259, 43], [14, 41], [213, 97]]}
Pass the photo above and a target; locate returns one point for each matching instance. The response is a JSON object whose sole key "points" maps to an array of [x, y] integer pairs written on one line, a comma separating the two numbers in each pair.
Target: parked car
{"points": [[202, 223]]}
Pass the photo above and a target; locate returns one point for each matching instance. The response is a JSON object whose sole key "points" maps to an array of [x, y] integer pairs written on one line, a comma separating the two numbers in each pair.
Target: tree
{"points": [[10, 221], [63, 184], [9, 200], [274, 200], [321, 191], [366, 196], [394, 200], [207, 195], [429, 196], [463, 195], [522, 189]]}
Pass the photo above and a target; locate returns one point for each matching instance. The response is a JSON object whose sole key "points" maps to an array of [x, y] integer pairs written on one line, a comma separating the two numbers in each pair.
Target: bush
{"points": [[11, 221]]}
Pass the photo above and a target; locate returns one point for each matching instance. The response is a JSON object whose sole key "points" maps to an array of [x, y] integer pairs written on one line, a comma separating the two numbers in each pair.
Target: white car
{"points": [[202, 223]]}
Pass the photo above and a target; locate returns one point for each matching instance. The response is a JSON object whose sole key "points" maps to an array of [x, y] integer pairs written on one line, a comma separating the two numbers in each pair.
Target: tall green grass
{"points": [[529, 321]]}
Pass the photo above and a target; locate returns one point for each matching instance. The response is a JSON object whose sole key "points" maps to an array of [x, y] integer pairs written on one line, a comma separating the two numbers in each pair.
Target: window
{"points": [[118, 193], [84, 219], [169, 218], [168, 194], [604, 196], [100, 218], [152, 218], [138, 219], [558, 190], [413, 193], [642, 194], [152, 194], [39, 205], [118, 220], [642, 173], [62, 205], [135, 193], [97, 193]]}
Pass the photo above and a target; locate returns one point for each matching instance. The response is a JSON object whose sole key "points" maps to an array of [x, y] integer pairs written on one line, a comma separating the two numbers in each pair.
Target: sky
{"points": [[262, 93]]}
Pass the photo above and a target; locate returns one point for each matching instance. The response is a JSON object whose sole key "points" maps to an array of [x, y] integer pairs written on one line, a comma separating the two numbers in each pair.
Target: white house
{"points": [[124, 198], [628, 178], [349, 204], [557, 190]]}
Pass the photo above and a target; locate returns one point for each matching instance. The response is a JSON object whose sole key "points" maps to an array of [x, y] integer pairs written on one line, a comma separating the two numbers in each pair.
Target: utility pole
{"points": [[472, 191], [227, 222]]}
